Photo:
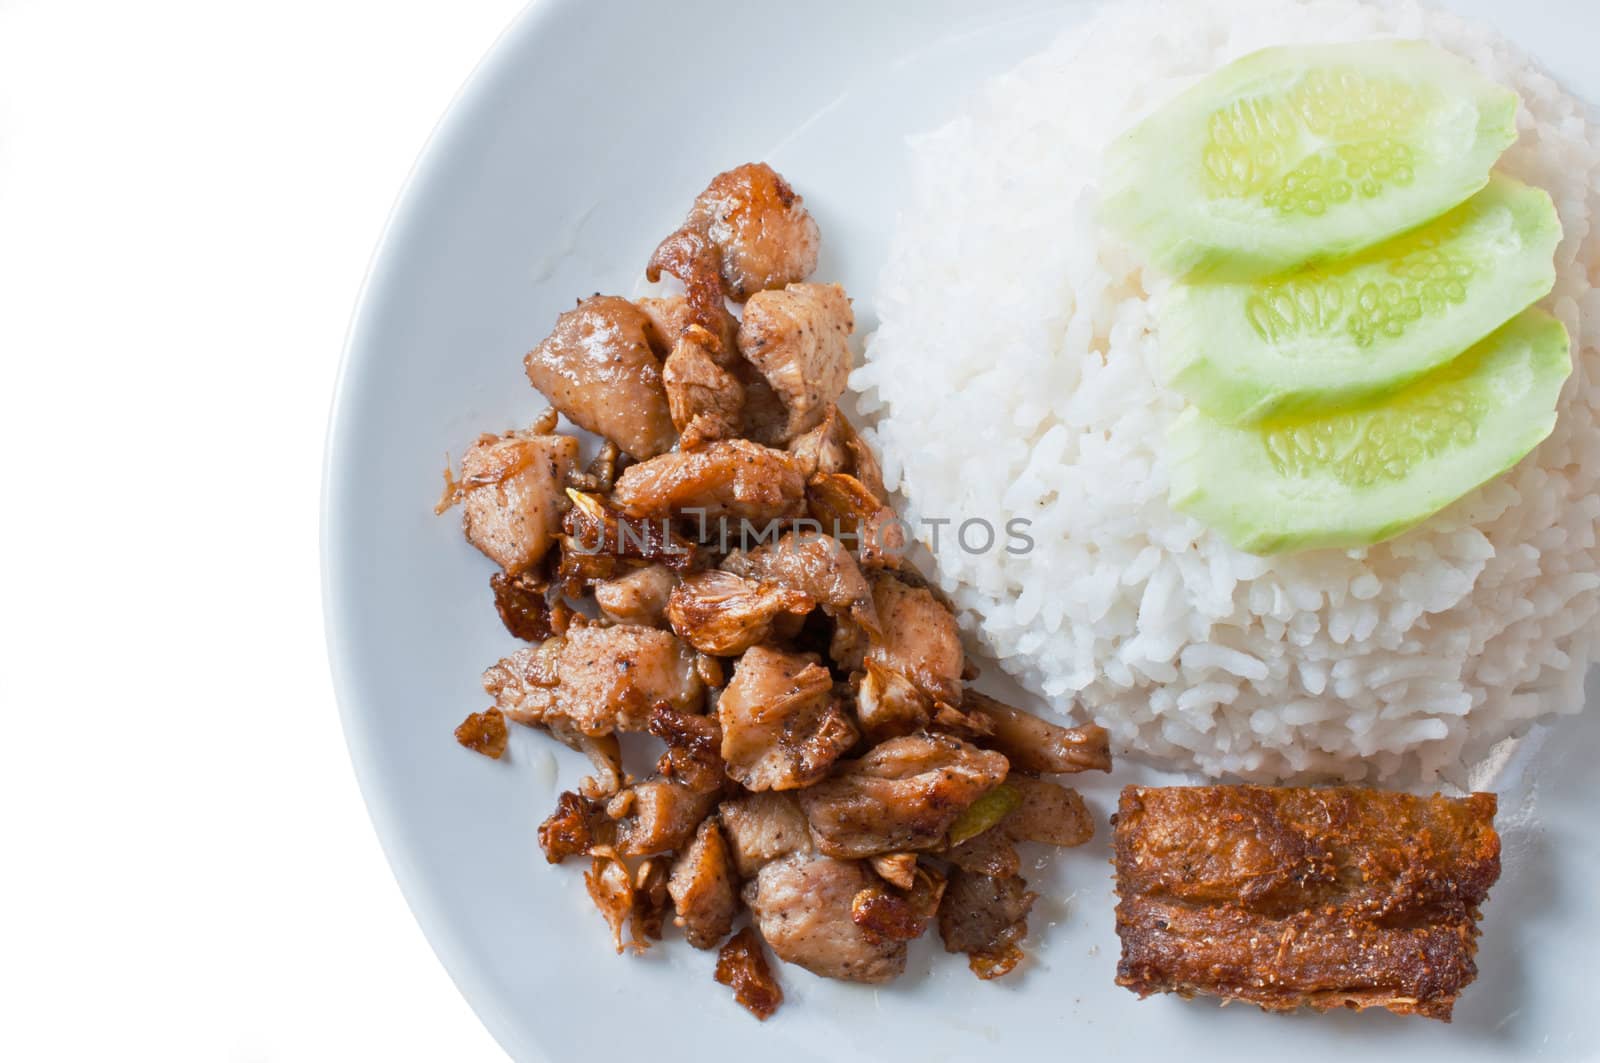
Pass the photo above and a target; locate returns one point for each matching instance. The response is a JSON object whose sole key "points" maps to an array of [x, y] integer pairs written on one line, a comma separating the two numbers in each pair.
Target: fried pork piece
{"points": [[610, 886], [723, 614], [512, 495], [802, 906], [899, 915], [766, 418], [597, 679], [1048, 813], [1284, 897], [990, 853], [598, 543], [799, 338], [920, 638], [750, 228], [816, 566], [742, 967], [658, 815], [1036, 745], [667, 319], [637, 899], [637, 597], [833, 446], [702, 888], [915, 664], [651, 898], [985, 916], [524, 608], [728, 478], [598, 369], [693, 744], [577, 826], [902, 796], [601, 471], [706, 400], [848, 508], [484, 732], [782, 725], [763, 827]]}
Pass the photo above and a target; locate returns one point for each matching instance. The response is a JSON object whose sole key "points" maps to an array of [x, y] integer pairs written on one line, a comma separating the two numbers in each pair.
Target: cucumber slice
{"points": [[1362, 476], [1330, 336], [1299, 154]]}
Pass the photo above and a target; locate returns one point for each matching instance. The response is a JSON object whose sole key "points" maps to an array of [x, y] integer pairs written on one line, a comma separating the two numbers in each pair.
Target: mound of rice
{"points": [[1014, 374]]}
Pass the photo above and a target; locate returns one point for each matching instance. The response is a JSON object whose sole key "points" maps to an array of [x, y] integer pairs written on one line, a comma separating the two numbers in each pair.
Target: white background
{"points": [[189, 194]]}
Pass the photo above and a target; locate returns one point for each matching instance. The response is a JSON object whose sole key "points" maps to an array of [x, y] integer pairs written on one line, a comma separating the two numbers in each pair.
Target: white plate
{"points": [[575, 147]]}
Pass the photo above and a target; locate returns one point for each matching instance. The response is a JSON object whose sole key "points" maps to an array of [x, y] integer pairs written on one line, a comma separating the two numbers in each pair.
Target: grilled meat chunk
{"points": [[985, 916], [693, 744], [1036, 745], [597, 368], [598, 542], [915, 663], [524, 608], [903, 795], [723, 614], [802, 906], [742, 967], [672, 317], [637, 597], [848, 508], [1285, 897], [1048, 813], [706, 400], [990, 853], [727, 478], [512, 495], [782, 726], [833, 446], [748, 230], [597, 679], [920, 638], [799, 338], [658, 815], [888, 703], [702, 888], [577, 826], [816, 566], [762, 827]]}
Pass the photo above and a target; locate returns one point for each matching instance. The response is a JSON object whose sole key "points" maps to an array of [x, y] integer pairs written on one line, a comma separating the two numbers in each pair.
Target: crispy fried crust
{"points": [[525, 610], [693, 755], [484, 732], [574, 828], [742, 966], [1299, 897]]}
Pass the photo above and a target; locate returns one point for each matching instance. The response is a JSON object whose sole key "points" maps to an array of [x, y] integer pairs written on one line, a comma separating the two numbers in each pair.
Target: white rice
{"points": [[1014, 375]]}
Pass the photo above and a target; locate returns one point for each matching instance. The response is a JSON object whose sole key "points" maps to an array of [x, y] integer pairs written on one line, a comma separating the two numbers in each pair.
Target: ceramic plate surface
{"points": [[575, 147]]}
